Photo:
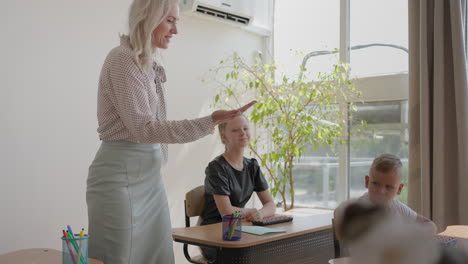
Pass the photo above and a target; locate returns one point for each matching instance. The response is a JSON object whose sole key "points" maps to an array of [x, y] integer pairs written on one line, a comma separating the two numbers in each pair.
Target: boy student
{"points": [[384, 182], [406, 242]]}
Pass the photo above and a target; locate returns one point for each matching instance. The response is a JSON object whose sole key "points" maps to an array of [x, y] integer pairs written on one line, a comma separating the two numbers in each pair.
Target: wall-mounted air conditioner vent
{"points": [[237, 12], [223, 15], [251, 15]]}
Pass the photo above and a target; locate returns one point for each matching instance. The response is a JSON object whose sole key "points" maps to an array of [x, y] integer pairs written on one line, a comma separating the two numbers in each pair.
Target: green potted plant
{"points": [[288, 116]]}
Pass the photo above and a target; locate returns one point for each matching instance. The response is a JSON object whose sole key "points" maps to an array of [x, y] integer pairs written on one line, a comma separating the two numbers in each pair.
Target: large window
{"points": [[379, 22], [372, 36], [302, 26], [387, 133]]}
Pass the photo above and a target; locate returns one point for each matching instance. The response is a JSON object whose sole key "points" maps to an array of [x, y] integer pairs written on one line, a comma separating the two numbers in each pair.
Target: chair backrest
{"points": [[340, 248], [194, 203]]}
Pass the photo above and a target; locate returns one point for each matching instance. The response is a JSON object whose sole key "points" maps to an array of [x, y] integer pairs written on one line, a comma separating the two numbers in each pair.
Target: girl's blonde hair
{"points": [[222, 127], [144, 16]]}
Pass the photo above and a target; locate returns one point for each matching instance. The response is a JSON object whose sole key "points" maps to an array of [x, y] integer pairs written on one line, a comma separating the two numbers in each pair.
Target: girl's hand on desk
{"points": [[254, 215]]}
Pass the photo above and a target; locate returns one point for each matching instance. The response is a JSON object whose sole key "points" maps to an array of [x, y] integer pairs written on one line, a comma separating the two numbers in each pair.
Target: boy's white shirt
{"points": [[395, 206]]}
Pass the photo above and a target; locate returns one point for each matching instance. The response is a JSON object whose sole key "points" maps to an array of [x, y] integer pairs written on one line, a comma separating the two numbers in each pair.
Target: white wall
{"points": [[52, 51]]}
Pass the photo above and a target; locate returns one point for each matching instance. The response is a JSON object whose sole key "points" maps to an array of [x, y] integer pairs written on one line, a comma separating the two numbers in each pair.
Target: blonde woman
{"points": [[127, 207]]}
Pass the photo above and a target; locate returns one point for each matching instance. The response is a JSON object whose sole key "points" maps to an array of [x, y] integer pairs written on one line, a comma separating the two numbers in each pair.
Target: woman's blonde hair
{"points": [[144, 16]]}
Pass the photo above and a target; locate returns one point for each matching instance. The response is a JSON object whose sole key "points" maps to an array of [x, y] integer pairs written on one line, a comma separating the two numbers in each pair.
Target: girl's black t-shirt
{"points": [[221, 178]]}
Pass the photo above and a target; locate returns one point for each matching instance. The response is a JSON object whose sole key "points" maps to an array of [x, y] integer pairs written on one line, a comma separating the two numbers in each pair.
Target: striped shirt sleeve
{"points": [[138, 106]]}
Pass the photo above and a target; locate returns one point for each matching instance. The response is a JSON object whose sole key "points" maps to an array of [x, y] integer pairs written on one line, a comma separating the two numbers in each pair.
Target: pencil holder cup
{"points": [[75, 250], [232, 228]]}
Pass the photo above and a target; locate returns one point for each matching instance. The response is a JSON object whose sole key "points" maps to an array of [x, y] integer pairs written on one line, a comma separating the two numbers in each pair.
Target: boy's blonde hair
{"points": [[144, 16], [386, 163]]}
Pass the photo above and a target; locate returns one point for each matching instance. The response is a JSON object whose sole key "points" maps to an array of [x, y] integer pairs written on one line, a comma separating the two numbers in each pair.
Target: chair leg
{"points": [[336, 243], [187, 224], [187, 219], [218, 256], [187, 255]]}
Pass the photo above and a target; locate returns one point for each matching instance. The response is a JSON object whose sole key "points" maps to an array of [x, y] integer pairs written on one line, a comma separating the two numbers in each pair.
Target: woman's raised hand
{"points": [[221, 116]]}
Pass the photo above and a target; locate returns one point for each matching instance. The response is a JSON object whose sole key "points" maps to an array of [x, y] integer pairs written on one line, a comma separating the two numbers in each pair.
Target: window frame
{"points": [[385, 87]]}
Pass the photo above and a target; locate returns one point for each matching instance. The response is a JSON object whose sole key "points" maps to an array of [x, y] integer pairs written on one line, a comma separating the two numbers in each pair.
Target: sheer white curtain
{"points": [[438, 116]]}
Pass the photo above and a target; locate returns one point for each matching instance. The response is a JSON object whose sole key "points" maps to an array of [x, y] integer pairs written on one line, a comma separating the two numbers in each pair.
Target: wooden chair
{"points": [[194, 203], [340, 248]]}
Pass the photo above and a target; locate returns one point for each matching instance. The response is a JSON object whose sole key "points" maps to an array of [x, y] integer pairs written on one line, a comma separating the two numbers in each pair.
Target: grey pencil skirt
{"points": [[128, 214]]}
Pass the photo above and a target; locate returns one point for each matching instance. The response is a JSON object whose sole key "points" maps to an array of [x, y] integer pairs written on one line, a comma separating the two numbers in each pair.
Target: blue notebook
{"points": [[260, 230]]}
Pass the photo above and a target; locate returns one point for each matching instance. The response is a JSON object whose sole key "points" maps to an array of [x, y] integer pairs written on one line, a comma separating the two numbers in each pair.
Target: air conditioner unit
{"points": [[239, 12]]}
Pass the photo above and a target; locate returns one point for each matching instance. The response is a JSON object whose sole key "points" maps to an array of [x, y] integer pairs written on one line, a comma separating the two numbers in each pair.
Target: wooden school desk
{"points": [[345, 260], [36, 256], [460, 231], [457, 231], [308, 239]]}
